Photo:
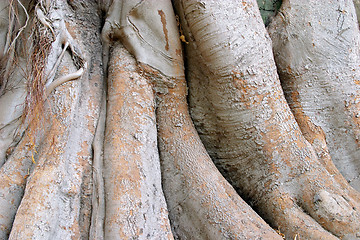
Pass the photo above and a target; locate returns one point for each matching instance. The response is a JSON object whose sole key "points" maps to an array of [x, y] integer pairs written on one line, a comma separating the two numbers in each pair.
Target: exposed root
{"points": [[12, 45], [13, 178], [202, 204], [67, 40], [56, 188], [98, 195], [322, 91], [249, 130], [43, 19], [135, 204], [58, 61], [63, 79]]}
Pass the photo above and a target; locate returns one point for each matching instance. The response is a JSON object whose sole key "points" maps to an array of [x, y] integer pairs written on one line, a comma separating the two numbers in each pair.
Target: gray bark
{"points": [[58, 186], [135, 204], [316, 48], [241, 114], [96, 139]]}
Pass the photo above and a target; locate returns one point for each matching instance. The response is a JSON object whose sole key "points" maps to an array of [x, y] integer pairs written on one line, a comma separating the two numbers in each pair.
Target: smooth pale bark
{"points": [[135, 204], [357, 9], [317, 52], [145, 34], [235, 97], [241, 114], [56, 203]]}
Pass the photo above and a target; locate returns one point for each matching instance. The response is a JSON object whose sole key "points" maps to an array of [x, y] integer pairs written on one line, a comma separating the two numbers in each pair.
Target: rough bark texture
{"points": [[245, 123], [190, 191], [201, 203], [316, 48], [135, 202], [56, 200], [97, 141]]}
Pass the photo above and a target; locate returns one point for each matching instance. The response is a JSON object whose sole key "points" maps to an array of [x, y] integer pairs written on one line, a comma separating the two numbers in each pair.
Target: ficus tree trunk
{"points": [[144, 119]]}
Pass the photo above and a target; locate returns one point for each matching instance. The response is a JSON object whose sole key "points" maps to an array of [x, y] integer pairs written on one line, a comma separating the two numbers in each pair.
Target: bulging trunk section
{"points": [[316, 48], [242, 116], [202, 204], [56, 203], [135, 204], [97, 141]]}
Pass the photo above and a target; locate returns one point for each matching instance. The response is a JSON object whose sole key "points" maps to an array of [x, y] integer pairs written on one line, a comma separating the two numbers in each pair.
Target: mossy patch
{"points": [[268, 9]]}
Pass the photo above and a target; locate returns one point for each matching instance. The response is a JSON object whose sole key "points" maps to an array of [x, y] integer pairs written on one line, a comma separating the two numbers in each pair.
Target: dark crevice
{"points": [[268, 9]]}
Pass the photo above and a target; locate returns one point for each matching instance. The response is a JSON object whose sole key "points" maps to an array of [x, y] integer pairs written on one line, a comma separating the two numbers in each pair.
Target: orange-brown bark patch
{"points": [[163, 21], [71, 29], [246, 90]]}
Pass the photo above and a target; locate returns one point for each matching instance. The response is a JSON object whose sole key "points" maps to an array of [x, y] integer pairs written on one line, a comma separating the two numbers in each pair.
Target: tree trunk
{"points": [[317, 57], [97, 140], [244, 121], [131, 160]]}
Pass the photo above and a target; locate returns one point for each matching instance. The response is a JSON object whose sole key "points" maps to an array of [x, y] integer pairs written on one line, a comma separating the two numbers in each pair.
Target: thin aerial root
{"points": [[43, 19], [9, 33], [58, 61], [12, 45], [98, 197], [67, 41], [8, 50], [63, 79]]}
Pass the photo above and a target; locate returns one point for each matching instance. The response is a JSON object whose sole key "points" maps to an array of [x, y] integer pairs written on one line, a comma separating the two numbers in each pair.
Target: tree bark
{"points": [[97, 140], [247, 127], [321, 83], [56, 202], [135, 202]]}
